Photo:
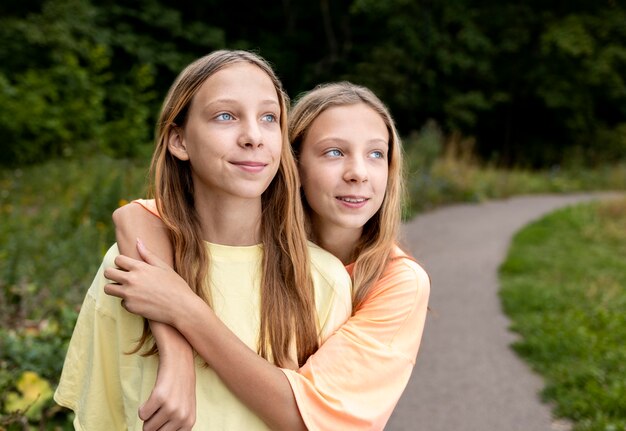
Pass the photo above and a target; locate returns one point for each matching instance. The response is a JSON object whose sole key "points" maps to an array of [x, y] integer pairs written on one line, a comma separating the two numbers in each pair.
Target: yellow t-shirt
{"points": [[105, 386]]}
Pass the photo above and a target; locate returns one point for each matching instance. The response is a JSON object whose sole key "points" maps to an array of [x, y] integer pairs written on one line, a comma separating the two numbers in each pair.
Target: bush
{"points": [[56, 226]]}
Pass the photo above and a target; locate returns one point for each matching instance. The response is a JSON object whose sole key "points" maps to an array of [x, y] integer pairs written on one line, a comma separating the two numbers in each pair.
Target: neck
{"points": [[229, 221], [340, 242]]}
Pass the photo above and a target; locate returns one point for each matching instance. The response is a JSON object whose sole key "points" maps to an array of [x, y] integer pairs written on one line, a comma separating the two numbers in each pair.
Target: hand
{"points": [[172, 403], [148, 288]]}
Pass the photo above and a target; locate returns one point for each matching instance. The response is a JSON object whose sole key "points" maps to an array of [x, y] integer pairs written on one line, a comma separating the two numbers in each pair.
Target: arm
{"points": [[173, 397], [256, 382], [377, 347]]}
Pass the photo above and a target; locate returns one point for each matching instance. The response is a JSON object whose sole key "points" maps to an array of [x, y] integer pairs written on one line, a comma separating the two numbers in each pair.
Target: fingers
{"points": [[115, 290], [150, 257], [116, 275], [127, 263], [149, 407], [155, 422], [160, 412]]}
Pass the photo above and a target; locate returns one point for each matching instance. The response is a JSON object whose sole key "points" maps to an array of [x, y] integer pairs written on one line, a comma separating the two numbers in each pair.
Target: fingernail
{"points": [[139, 243]]}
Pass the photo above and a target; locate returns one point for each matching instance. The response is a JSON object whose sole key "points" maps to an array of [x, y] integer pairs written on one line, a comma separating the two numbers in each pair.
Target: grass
{"points": [[564, 288], [443, 170], [450, 180]]}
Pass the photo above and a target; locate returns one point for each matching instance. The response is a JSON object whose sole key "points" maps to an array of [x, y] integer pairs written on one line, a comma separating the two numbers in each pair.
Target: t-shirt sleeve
{"points": [[90, 383], [357, 376]]}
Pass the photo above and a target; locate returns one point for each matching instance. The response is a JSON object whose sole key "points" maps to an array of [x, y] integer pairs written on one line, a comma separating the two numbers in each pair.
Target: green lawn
{"points": [[564, 288]]}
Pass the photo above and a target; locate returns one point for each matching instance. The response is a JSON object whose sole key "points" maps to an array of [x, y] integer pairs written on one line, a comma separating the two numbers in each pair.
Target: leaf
{"points": [[35, 392]]}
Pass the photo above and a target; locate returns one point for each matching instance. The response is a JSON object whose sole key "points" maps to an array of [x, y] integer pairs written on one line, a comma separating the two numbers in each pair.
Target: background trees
{"points": [[535, 84]]}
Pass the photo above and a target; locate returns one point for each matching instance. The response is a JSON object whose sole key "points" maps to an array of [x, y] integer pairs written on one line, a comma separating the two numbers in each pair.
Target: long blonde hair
{"points": [[379, 236], [287, 297]]}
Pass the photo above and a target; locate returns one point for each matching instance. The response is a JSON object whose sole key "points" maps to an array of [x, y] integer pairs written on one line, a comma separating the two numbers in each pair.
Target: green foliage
{"points": [[535, 83], [444, 170], [529, 81], [56, 226], [564, 287], [90, 83]]}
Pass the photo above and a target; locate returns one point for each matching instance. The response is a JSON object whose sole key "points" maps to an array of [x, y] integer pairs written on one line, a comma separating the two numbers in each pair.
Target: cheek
{"points": [[313, 179], [312, 185], [274, 142], [379, 183]]}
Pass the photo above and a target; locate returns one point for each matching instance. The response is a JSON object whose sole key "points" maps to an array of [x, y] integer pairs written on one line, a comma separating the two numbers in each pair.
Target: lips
{"points": [[352, 199], [250, 166]]}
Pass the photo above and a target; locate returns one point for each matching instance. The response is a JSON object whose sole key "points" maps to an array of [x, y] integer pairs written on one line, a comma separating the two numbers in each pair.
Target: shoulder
{"points": [[403, 267], [402, 276], [149, 205], [137, 209], [326, 264], [329, 275]]}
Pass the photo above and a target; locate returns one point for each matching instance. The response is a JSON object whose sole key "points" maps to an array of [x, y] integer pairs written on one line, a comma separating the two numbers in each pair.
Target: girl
{"points": [[350, 162], [226, 187]]}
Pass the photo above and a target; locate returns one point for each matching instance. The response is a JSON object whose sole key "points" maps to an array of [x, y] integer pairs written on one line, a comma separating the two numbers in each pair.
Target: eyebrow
{"points": [[331, 139], [235, 101]]}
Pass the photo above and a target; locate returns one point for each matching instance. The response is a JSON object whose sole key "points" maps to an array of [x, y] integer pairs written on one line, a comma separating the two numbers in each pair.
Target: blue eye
{"points": [[270, 118], [333, 153], [378, 155], [224, 116]]}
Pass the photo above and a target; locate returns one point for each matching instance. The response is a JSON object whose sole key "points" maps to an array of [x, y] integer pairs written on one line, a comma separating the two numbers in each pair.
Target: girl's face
{"points": [[232, 135], [344, 167]]}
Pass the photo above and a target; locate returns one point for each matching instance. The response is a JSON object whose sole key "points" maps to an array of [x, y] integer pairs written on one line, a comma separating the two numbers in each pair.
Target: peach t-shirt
{"points": [[355, 379]]}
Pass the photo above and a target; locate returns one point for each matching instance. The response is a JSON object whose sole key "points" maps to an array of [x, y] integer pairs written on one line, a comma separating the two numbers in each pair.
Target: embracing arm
{"points": [[376, 347], [173, 397]]}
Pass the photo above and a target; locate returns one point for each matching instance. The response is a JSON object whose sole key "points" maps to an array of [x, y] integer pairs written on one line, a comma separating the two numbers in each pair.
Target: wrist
{"points": [[194, 315], [175, 346]]}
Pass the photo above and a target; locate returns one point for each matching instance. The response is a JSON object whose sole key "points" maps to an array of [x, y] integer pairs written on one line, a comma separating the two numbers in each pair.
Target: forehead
{"points": [[238, 82], [358, 121]]}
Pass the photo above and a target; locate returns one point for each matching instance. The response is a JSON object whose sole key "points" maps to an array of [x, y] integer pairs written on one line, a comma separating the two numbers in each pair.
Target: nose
{"points": [[356, 170], [250, 136]]}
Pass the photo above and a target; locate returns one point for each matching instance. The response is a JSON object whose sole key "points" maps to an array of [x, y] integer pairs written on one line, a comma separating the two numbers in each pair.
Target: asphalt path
{"points": [[467, 378]]}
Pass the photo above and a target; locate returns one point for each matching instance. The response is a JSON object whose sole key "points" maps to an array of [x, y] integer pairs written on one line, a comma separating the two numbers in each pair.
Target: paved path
{"points": [[467, 378]]}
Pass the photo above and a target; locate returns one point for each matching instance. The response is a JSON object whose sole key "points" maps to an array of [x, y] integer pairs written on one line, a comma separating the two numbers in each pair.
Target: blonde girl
{"points": [[350, 163], [226, 188]]}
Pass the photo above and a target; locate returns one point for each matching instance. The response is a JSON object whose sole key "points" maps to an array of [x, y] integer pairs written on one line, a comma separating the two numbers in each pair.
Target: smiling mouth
{"points": [[351, 200]]}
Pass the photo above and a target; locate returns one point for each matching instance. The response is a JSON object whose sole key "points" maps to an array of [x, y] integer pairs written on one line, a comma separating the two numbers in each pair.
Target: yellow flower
{"points": [[35, 392]]}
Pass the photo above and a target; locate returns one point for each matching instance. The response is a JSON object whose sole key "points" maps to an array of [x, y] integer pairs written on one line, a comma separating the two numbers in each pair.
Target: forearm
{"points": [[260, 385], [132, 222]]}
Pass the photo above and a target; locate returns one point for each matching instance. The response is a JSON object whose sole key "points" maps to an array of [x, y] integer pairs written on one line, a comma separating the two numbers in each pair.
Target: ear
{"points": [[176, 143]]}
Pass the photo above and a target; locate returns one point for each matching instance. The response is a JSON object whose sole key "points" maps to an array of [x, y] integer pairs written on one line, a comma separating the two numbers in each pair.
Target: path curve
{"points": [[467, 378]]}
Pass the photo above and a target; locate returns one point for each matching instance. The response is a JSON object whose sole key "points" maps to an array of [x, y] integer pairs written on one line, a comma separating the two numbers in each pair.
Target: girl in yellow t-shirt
{"points": [[350, 163], [226, 187]]}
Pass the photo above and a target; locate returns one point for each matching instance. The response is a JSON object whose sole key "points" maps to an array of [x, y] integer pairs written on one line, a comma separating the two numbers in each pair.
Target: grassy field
{"points": [[564, 287], [56, 226]]}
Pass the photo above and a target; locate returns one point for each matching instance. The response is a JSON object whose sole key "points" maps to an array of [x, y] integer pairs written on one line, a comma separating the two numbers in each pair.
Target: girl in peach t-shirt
{"points": [[350, 161]]}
